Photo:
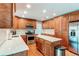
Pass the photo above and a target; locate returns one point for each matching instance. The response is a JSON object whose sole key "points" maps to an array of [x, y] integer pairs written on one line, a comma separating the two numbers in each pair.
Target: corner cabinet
{"points": [[6, 15]]}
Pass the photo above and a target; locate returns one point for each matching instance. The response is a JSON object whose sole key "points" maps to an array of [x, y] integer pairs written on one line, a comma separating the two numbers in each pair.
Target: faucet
{"points": [[10, 35]]}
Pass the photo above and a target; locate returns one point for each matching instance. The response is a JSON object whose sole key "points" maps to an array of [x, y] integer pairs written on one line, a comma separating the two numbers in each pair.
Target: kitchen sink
{"points": [[13, 36]]}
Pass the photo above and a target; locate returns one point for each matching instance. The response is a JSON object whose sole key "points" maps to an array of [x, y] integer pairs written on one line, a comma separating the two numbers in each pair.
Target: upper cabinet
{"points": [[44, 25], [19, 23], [6, 15], [47, 24], [74, 16]]}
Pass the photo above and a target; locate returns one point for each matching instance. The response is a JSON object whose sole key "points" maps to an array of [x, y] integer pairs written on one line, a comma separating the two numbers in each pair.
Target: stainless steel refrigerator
{"points": [[74, 36]]}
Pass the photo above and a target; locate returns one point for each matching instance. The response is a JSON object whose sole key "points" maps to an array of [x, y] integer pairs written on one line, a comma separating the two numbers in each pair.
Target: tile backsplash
{"points": [[49, 31], [40, 31], [21, 32]]}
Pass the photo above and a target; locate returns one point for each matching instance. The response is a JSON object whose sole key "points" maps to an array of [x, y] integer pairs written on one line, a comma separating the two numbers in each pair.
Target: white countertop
{"points": [[49, 38], [13, 46]]}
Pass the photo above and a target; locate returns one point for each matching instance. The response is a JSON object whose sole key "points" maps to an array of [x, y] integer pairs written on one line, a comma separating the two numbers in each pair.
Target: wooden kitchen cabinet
{"points": [[6, 15], [39, 44], [61, 25], [46, 47], [24, 38], [21, 23], [46, 24]]}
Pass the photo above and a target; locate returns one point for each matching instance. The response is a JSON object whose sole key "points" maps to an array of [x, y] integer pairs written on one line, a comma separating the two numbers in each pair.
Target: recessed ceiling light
{"points": [[44, 11], [43, 18], [28, 5], [47, 17], [23, 16], [9, 48], [54, 14], [25, 12]]}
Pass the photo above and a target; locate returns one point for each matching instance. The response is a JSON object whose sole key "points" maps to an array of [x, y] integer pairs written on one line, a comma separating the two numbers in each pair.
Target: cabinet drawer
{"points": [[58, 43], [41, 40], [47, 42]]}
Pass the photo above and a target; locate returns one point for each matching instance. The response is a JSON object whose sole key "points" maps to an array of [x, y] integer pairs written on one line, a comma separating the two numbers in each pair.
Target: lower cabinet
{"points": [[24, 38], [46, 47], [39, 44], [48, 50]]}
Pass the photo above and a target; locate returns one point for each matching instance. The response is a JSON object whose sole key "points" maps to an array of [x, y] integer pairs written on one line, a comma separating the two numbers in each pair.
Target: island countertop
{"points": [[13, 46], [49, 38]]}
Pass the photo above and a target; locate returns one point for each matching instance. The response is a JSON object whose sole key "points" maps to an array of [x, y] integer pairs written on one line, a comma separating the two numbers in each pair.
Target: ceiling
{"points": [[44, 11]]}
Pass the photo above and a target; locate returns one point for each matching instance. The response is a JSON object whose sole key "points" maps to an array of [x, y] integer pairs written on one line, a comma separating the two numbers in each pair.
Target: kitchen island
{"points": [[14, 47], [47, 44]]}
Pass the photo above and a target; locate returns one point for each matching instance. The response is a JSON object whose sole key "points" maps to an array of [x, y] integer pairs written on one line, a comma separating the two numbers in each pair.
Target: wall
{"points": [[48, 31], [60, 24], [38, 29], [21, 31]]}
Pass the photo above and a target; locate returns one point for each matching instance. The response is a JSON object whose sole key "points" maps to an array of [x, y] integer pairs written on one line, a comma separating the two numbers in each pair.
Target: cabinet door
{"points": [[44, 48], [64, 31], [41, 42], [6, 15], [47, 48], [24, 38], [37, 43], [21, 24]]}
